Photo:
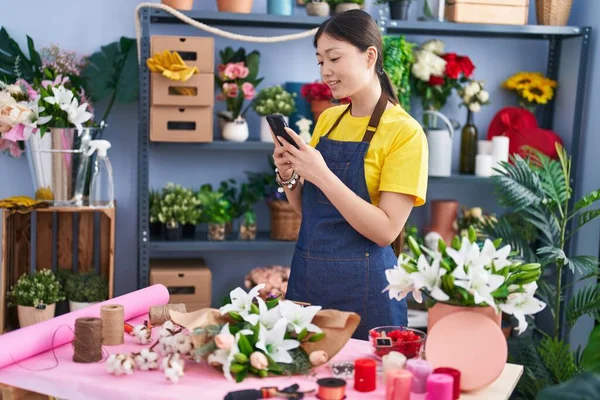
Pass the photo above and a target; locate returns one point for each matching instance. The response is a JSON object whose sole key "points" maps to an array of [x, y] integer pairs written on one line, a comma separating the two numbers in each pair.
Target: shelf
{"points": [[299, 21], [223, 145], [458, 179], [164, 248]]}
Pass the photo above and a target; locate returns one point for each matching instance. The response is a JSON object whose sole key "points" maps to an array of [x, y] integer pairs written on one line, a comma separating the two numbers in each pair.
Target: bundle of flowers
{"points": [[470, 275], [315, 91], [531, 88], [474, 96], [274, 278]]}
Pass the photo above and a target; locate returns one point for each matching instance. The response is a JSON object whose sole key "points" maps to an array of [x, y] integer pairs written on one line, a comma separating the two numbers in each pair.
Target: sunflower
{"points": [[538, 91], [521, 80]]}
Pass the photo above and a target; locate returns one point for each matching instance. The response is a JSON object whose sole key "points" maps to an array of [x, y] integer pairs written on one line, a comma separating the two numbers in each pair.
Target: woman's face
{"points": [[344, 67]]}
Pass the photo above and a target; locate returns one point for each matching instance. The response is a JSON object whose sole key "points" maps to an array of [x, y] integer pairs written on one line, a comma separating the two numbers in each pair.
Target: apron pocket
{"points": [[341, 171], [340, 284]]}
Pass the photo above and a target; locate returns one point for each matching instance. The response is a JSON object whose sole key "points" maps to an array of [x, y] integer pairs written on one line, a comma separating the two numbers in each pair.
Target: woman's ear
{"points": [[372, 55]]}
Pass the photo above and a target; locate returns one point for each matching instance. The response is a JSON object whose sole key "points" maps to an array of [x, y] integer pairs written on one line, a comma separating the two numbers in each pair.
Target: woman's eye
{"points": [[320, 63], [334, 59]]}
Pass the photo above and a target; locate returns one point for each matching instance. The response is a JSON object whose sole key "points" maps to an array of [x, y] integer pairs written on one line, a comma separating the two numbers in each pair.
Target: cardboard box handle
{"points": [[183, 91], [174, 290], [181, 275], [181, 125]]}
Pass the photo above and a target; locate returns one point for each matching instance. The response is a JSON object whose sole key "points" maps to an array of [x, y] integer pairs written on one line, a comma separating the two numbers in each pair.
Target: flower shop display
{"points": [[531, 88], [273, 277], [273, 100], [215, 211], [398, 58], [85, 289], [473, 97], [178, 207], [35, 296], [319, 8], [553, 12], [280, 7], [235, 6], [237, 79], [399, 9]]}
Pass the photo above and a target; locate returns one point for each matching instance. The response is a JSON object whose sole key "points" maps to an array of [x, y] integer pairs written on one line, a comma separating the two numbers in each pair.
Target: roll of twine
{"points": [[113, 324], [160, 314], [87, 344]]}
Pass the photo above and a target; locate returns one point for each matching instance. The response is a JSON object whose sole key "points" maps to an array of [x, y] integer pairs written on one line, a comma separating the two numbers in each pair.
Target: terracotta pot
{"points": [[318, 106], [31, 315], [235, 6], [443, 215], [441, 310], [179, 4]]}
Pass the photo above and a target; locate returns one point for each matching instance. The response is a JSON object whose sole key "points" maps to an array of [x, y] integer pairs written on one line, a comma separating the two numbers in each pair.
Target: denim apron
{"points": [[333, 265]]}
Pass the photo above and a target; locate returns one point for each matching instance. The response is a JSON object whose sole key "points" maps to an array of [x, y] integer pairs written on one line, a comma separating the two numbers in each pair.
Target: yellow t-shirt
{"points": [[397, 158]]}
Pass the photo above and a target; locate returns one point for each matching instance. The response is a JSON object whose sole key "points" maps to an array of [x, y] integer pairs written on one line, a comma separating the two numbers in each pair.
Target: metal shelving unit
{"points": [[147, 248]]}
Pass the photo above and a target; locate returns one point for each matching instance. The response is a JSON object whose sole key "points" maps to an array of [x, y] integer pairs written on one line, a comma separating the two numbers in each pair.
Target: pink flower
{"points": [[11, 146], [240, 70], [224, 340], [229, 71], [258, 360], [31, 93], [15, 134], [248, 90], [58, 81], [230, 90]]}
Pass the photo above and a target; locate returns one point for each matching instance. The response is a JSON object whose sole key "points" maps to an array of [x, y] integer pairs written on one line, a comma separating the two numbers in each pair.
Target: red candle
{"points": [[365, 373], [454, 373]]}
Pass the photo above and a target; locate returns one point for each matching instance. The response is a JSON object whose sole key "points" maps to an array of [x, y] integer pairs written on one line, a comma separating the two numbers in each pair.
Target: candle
{"points": [[499, 151], [392, 361], [440, 387], [421, 369], [455, 374], [484, 147], [365, 372], [483, 165], [398, 384]]}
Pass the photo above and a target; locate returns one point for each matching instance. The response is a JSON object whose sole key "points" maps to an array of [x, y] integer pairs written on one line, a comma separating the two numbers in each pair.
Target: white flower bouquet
{"points": [[470, 275], [474, 96]]}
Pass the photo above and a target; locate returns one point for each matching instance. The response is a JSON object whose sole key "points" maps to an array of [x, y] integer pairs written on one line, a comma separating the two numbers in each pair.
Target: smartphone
{"points": [[278, 125]]}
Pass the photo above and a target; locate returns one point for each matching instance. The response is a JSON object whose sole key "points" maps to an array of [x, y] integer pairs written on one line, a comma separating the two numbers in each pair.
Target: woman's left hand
{"points": [[307, 161]]}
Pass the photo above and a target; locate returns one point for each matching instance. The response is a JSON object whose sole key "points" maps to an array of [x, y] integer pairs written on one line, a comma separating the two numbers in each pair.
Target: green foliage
{"points": [[112, 73], [41, 287], [178, 206], [274, 100], [154, 208], [14, 64], [215, 208], [585, 301], [398, 58], [86, 288], [591, 355], [558, 359], [584, 386]]}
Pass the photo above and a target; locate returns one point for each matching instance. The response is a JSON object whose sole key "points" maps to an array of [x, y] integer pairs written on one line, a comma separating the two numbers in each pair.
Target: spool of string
{"points": [[331, 389], [113, 324], [160, 314], [87, 344]]}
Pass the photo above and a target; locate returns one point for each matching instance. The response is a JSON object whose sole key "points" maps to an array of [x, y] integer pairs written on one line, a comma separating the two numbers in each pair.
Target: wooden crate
{"points": [[73, 238], [13, 393], [506, 12]]}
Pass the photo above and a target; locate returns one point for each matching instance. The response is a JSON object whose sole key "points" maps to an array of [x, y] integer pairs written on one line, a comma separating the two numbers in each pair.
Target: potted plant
{"points": [[235, 6], [154, 210], [319, 8], [85, 289], [215, 211], [179, 207], [318, 94], [237, 80], [249, 195], [399, 9], [341, 6], [35, 296], [273, 100]]}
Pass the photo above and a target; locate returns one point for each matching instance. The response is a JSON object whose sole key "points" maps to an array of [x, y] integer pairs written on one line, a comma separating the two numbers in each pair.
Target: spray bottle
{"points": [[82, 172], [102, 186]]}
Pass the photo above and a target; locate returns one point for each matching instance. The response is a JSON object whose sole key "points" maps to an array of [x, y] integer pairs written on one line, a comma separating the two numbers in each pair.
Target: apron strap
{"points": [[373, 122]]}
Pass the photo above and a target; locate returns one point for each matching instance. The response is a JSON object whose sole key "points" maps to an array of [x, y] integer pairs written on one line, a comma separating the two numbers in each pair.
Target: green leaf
{"points": [[587, 200], [10, 50], [302, 334], [543, 219], [585, 265], [240, 376], [504, 231], [518, 186], [236, 316], [273, 366], [558, 359], [591, 353], [553, 180], [585, 301], [316, 337], [36, 60], [582, 387], [272, 303], [244, 345], [550, 255], [588, 216]]}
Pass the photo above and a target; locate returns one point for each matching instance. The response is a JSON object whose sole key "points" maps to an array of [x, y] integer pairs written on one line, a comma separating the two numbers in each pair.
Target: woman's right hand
{"points": [[280, 158]]}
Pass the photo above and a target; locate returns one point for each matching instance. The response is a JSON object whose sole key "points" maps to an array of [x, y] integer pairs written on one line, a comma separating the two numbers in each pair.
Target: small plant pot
{"points": [[189, 231], [156, 229], [399, 9], [216, 231], [78, 305], [248, 232], [179, 4], [318, 106], [235, 6], [236, 131], [318, 9], [174, 233], [32, 315]]}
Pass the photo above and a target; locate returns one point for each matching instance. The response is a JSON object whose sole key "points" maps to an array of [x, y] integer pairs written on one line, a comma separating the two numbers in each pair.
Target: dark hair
{"points": [[358, 28]]}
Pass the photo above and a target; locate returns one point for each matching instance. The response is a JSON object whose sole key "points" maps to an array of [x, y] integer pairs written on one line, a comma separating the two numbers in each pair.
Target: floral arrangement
{"points": [[274, 278], [316, 91], [274, 100], [437, 73], [468, 274], [476, 218], [237, 79], [531, 88], [178, 206], [36, 290], [474, 96]]}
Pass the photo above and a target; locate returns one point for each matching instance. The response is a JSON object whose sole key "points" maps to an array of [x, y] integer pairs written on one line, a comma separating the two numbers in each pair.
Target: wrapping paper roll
{"points": [[26, 342]]}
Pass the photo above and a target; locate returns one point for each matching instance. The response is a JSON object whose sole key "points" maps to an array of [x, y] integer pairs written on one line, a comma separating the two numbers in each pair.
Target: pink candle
{"points": [[421, 369], [440, 387], [397, 384]]}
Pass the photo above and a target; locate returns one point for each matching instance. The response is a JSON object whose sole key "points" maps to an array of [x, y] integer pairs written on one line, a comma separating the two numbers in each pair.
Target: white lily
{"points": [[299, 317], [77, 114], [224, 356], [241, 302], [267, 317], [467, 256], [400, 284], [480, 283], [62, 97], [272, 342], [489, 254], [430, 277], [522, 304]]}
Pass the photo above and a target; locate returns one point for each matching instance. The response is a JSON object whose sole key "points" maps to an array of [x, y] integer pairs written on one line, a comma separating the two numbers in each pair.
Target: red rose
{"points": [[466, 65], [436, 80], [453, 70], [449, 57]]}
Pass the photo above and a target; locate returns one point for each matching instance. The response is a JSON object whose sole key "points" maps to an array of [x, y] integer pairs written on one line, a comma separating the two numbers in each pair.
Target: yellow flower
{"points": [[539, 91], [171, 65], [521, 80]]}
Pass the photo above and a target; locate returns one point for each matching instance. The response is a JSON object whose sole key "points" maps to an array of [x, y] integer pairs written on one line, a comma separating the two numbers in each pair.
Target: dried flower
{"points": [[119, 364], [182, 343], [173, 366], [142, 334], [146, 360], [62, 62]]}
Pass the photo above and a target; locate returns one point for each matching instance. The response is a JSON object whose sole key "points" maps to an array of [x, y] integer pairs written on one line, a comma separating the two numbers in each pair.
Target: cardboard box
{"points": [[504, 12], [188, 281], [181, 124], [199, 90], [195, 51]]}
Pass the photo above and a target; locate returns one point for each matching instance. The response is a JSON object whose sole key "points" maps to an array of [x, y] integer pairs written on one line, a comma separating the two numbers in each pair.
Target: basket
{"points": [[285, 222], [553, 12]]}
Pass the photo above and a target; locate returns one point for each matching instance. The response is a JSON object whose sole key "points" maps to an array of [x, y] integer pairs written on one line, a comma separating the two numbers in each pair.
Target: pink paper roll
{"points": [[440, 387], [34, 339]]}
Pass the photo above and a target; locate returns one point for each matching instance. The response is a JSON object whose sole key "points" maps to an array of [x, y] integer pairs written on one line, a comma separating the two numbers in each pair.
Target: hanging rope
{"points": [[214, 31]]}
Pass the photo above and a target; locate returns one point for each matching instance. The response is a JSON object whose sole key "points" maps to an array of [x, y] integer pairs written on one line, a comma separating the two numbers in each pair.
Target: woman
{"points": [[359, 178]]}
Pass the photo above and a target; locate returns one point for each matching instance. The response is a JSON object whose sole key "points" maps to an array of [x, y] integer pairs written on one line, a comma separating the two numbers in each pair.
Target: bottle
{"points": [[468, 146], [82, 171], [102, 186]]}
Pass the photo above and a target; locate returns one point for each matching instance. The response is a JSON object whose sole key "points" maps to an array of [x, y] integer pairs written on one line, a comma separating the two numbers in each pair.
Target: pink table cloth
{"points": [[73, 381]]}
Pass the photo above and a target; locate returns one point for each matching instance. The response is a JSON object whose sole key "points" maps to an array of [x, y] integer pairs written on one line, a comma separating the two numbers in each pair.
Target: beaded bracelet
{"points": [[290, 183]]}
